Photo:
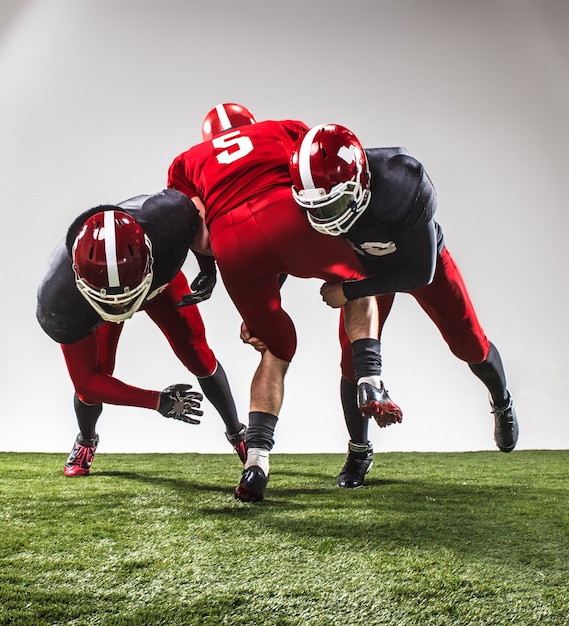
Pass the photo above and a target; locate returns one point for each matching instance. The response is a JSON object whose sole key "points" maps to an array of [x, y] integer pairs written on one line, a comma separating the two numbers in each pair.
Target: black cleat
{"points": [[375, 402], [239, 443], [251, 487], [358, 463], [506, 427]]}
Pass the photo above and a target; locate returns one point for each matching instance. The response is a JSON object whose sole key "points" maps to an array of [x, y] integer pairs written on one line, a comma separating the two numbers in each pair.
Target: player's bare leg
{"points": [[267, 393], [361, 319]]}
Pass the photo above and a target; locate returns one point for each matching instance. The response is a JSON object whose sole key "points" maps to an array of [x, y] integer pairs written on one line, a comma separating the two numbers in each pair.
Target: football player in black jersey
{"points": [[114, 261], [382, 201]]}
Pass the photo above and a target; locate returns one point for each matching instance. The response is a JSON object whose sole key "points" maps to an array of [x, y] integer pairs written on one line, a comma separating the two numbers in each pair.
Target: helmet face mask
{"points": [[336, 212], [223, 117], [112, 261], [330, 178], [115, 307]]}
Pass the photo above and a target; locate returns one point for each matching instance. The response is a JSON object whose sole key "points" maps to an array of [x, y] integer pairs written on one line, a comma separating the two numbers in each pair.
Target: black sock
{"points": [[366, 354], [491, 373], [87, 416], [216, 389], [261, 430], [356, 423]]}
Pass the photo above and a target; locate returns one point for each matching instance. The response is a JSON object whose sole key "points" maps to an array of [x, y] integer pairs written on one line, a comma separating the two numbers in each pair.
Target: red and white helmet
{"points": [[112, 261], [223, 117], [330, 177]]}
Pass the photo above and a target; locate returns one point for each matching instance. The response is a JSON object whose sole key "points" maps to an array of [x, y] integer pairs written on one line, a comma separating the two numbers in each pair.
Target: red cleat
{"points": [[81, 457], [239, 443]]}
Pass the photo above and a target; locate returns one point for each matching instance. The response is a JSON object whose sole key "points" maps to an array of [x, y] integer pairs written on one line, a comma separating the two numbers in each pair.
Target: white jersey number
{"points": [[233, 147]]}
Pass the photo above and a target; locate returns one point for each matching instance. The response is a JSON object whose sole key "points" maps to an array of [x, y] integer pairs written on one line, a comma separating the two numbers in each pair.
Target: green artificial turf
{"points": [[449, 538]]}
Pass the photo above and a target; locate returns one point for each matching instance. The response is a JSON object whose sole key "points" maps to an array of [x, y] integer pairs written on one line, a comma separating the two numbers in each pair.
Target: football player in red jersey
{"points": [[239, 179], [114, 261], [382, 201]]}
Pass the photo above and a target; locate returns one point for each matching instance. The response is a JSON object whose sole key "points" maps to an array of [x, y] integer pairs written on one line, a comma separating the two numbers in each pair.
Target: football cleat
{"points": [[375, 402], [358, 463], [239, 444], [506, 428], [251, 487], [81, 457]]}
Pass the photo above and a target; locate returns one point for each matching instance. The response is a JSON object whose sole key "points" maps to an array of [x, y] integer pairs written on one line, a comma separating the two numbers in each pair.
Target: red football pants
{"points": [[91, 361], [446, 301], [257, 242]]}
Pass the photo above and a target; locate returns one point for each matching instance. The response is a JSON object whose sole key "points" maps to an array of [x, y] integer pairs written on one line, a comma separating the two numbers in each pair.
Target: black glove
{"points": [[179, 402], [202, 286]]}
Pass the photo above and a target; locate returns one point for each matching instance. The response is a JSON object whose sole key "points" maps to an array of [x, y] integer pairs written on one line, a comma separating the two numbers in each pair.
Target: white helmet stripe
{"points": [[304, 158], [223, 117], [111, 249]]}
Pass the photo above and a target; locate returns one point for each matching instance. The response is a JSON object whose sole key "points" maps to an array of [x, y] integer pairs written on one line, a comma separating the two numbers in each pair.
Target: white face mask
{"points": [[115, 308], [333, 213]]}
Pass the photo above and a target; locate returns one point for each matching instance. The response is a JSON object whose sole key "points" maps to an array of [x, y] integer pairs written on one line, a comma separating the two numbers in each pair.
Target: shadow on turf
{"points": [[187, 485], [466, 517], [181, 485], [483, 521]]}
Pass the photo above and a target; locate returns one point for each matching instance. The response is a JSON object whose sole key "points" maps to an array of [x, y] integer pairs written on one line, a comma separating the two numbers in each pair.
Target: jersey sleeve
{"points": [[178, 177], [170, 219], [407, 207], [415, 267], [295, 129]]}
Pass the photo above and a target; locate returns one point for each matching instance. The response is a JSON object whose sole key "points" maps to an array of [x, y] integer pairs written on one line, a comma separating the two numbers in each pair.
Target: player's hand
{"points": [[202, 287], [333, 295], [179, 403], [245, 336]]}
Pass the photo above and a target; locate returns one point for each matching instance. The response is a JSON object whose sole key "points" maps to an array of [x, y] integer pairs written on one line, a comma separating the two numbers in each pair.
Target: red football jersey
{"points": [[237, 165]]}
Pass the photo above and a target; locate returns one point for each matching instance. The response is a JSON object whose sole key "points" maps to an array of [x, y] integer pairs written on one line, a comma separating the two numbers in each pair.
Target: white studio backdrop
{"points": [[99, 96]]}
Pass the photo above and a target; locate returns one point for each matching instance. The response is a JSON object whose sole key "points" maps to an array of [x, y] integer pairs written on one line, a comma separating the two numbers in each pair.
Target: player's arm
{"points": [[176, 401], [200, 242], [417, 251], [203, 284], [81, 360]]}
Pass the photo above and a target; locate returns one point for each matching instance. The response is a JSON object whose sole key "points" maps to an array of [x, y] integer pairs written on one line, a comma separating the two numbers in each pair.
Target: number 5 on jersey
{"points": [[233, 147]]}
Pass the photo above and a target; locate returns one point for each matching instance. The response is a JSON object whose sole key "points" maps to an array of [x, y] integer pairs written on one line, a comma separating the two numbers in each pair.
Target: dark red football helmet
{"points": [[112, 261], [330, 177], [223, 117]]}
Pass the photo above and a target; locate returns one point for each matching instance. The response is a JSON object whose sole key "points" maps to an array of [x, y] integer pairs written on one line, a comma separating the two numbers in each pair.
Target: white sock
{"points": [[372, 380], [258, 457]]}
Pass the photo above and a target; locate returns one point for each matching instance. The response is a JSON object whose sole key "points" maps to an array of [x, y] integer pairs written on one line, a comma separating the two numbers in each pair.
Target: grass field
{"points": [[451, 538]]}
